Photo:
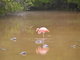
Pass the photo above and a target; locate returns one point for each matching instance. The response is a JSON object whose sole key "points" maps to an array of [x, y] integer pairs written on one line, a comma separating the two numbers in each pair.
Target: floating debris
{"points": [[13, 39], [23, 53], [3, 49], [45, 46], [39, 41], [73, 46]]}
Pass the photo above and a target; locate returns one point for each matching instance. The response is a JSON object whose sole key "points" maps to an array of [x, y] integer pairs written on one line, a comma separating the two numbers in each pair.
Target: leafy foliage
{"points": [[20, 5], [10, 6], [13, 6]]}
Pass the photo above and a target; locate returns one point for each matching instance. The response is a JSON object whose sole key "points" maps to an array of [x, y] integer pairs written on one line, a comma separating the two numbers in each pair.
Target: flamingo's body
{"points": [[42, 30]]}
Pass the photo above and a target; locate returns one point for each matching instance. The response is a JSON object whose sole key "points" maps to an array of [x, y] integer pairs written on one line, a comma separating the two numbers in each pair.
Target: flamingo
{"points": [[42, 30]]}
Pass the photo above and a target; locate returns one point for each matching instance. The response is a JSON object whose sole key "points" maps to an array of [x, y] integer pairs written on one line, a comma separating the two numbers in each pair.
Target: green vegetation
{"points": [[7, 6], [56, 4], [10, 6]]}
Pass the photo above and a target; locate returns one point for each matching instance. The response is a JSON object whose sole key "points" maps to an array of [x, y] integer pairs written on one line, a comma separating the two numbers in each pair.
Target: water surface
{"points": [[64, 33]]}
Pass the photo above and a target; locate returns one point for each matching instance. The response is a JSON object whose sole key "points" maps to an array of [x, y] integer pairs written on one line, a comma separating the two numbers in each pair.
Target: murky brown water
{"points": [[64, 33]]}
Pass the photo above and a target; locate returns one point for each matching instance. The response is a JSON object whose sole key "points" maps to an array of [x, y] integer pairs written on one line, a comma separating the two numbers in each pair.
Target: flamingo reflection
{"points": [[42, 50]]}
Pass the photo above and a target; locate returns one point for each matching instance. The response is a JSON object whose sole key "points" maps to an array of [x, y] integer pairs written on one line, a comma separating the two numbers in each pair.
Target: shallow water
{"points": [[64, 33]]}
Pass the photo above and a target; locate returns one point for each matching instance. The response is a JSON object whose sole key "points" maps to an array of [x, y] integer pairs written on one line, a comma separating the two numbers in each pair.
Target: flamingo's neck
{"points": [[37, 29]]}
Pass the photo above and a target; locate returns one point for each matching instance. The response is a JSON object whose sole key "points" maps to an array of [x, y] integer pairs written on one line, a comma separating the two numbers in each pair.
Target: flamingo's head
{"points": [[37, 29]]}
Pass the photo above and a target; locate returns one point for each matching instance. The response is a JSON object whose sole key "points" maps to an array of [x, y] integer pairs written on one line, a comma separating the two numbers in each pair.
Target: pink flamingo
{"points": [[42, 30]]}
